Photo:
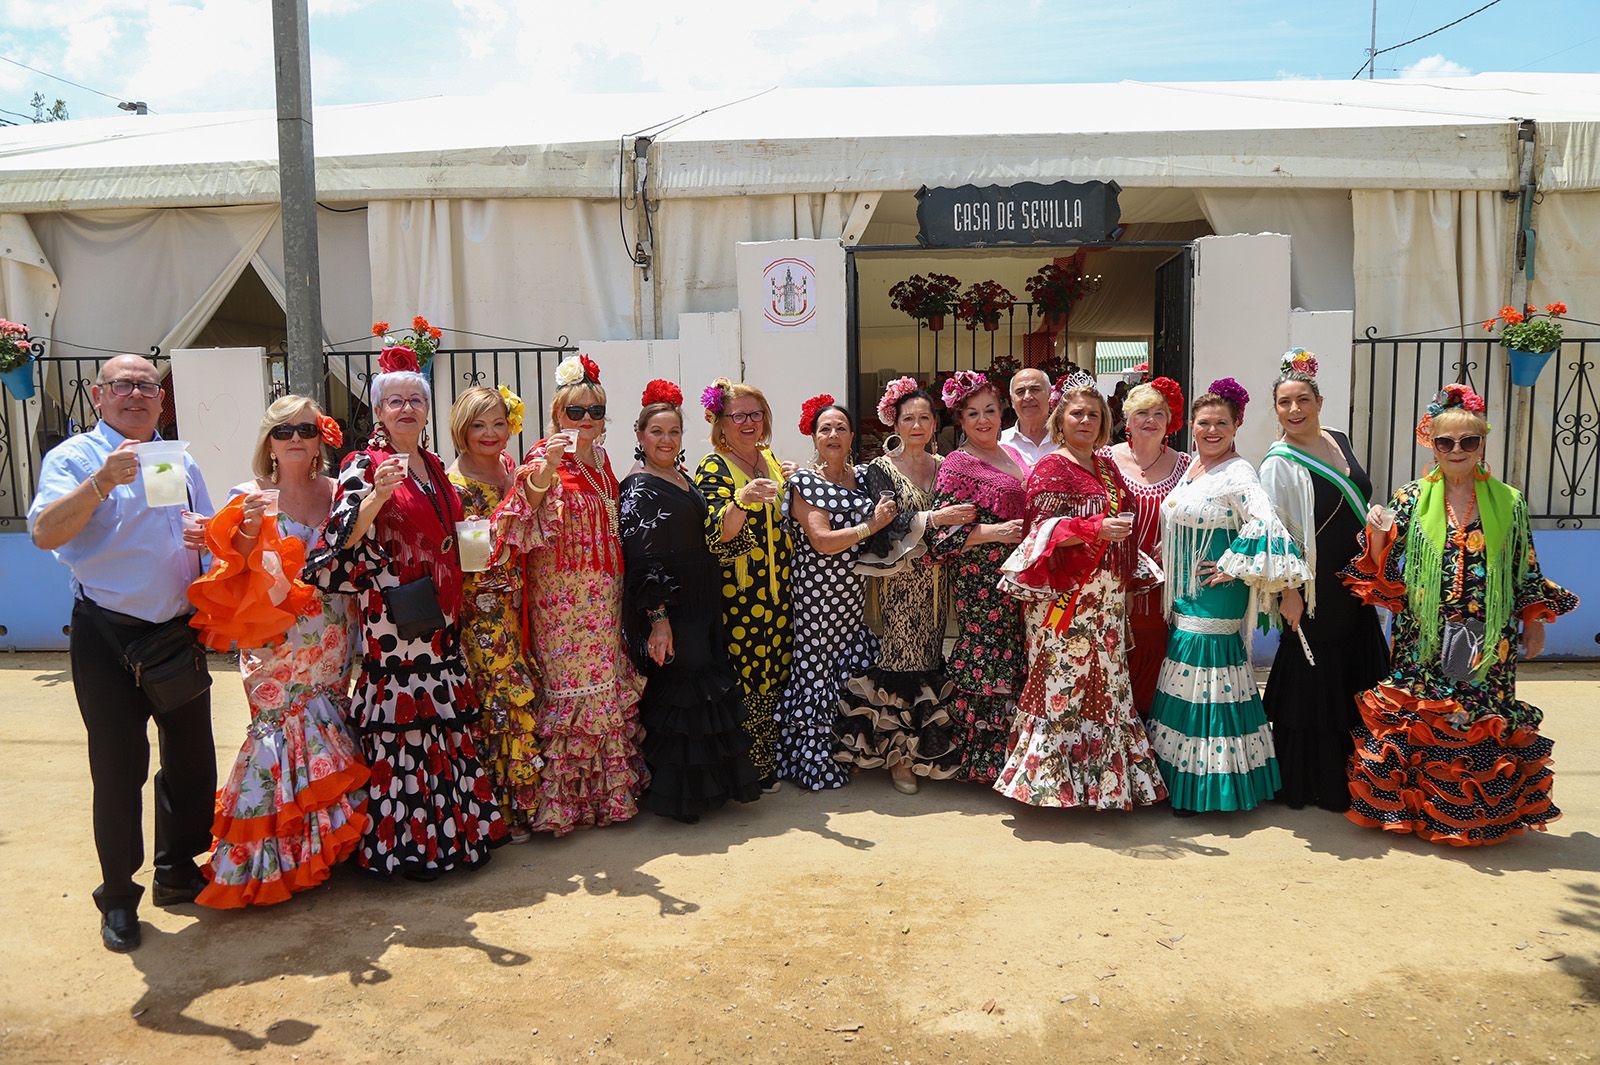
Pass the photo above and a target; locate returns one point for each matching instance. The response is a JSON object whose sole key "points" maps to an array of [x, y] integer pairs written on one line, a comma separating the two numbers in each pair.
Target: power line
{"points": [[1563, 51], [1425, 36], [17, 114], [64, 81]]}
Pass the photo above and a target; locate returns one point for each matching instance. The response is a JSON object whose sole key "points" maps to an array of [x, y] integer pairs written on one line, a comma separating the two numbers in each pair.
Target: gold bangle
{"points": [[94, 482], [541, 487]]}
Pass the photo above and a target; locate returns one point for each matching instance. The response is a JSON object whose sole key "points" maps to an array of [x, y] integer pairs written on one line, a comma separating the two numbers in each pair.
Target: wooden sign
{"points": [[1028, 213]]}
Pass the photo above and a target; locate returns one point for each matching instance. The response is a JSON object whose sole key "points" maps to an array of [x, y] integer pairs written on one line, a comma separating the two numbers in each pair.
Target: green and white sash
{"points": [[1352, 494]]}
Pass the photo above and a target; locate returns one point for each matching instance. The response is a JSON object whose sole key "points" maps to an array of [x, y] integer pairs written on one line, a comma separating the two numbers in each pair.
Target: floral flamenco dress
{"points": [[295, 803], [1455, 759], [571, 553], [431, 805], [832, 643], [1207, 724], [755, 596], [988, 660], [1077, 740], [505, 679]]}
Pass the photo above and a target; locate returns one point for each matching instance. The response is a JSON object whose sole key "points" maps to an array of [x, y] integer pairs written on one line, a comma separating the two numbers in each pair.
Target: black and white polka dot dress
{"points": [[831, 640]]}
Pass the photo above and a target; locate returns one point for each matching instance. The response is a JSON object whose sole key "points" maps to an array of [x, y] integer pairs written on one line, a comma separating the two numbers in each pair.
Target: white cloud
{"points": [[1435, 66]]}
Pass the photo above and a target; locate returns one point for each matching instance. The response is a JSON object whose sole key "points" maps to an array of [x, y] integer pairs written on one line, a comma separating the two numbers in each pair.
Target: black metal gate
{"points": [[1172, 354]]}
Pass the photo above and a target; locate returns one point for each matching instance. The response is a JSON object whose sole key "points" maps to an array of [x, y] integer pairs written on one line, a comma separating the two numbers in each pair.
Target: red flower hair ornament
{"points": [[809, 411], [398, 358], [661, 391], [591, 369], [1172, 392], [329, 430]]}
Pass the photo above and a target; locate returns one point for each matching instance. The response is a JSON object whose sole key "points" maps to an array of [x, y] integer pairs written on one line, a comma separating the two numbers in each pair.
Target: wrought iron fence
{"points": [[61, 406], [526, 371], [1395, 378], [1019, 334]]}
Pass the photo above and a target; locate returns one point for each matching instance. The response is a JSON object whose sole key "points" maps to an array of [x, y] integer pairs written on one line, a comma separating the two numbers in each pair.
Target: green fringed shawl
{"points": [[1504, 516]]}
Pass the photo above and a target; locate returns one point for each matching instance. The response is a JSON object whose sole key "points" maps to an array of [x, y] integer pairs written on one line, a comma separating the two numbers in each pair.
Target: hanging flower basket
{"points": [[983, 303], [927, 299], [1530, 337], [16, 359]]}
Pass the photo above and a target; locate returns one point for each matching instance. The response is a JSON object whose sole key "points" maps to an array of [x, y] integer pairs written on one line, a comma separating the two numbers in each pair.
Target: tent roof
{"points": [[1454, 133]]}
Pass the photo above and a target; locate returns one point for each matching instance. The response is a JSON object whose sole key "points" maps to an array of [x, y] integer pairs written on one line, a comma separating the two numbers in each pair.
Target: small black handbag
{"points": [[168, 663], [414, 608]]}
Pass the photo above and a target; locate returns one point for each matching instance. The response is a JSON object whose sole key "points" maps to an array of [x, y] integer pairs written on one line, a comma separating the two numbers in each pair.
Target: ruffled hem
{"points": [[695, 747], [1221, 792], [807, 719], [1040, 770], [511, 737], [1415, 771], [893, 719], [594, 772], [330, 848], [430, 807], [982, 725], [1269, 563], [234, 605]]}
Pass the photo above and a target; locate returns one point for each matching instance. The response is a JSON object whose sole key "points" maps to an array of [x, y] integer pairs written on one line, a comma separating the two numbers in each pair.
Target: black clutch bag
{"points": [[414, 608]]}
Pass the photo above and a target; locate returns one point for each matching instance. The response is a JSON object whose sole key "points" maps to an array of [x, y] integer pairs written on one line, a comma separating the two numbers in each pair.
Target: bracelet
{"points": [[863, 531], [541, 487], [656, 614], [94, 482]]}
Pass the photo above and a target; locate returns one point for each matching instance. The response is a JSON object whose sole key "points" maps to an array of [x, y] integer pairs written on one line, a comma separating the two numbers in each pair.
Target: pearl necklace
{"points": [[605, 497]]}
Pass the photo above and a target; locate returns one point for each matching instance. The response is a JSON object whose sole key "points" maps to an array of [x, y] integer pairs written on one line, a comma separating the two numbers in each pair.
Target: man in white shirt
{"points": [[1030, 398]]}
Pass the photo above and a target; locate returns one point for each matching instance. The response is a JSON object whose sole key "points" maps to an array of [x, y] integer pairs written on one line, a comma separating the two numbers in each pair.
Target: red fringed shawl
{"points": [[409, 527]]}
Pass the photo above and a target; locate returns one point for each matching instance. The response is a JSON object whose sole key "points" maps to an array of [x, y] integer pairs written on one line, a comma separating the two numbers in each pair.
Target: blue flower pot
{"points": [[19, 382], [1526, 365]]}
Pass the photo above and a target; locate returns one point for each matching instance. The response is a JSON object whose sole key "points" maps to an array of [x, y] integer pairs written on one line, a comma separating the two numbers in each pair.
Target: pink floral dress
{"points": [[589, 699]]}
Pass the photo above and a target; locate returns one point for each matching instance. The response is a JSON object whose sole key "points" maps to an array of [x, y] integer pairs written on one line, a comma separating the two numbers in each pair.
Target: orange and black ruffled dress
{"points": [[1453, 761]]}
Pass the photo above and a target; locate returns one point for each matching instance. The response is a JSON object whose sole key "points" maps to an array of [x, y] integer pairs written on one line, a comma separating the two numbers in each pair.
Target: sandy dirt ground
{"points": [[853, 926]]}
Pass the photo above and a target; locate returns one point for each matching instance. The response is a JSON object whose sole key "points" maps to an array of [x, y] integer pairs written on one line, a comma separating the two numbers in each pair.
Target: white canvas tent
{"points": [[500, 215]]}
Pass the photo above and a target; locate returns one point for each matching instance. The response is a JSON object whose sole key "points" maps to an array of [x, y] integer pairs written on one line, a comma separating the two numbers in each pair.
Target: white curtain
{"points": [[131, 279], [1321, 231], [29, 291], [695, 238], [1428, 259], [346, 276], [531, 269]]}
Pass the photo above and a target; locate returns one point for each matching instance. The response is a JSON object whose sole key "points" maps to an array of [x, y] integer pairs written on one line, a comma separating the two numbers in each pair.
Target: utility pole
{"points": [[297, 195], [1372, 46]]}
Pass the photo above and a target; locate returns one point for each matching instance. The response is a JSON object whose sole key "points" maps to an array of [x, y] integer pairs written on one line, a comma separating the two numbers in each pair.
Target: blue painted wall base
{"points": [[36, 601]]}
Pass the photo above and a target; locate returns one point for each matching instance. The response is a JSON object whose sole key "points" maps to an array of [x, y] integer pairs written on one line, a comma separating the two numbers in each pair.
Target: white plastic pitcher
{"points": [[473, 536], [166, 484]]}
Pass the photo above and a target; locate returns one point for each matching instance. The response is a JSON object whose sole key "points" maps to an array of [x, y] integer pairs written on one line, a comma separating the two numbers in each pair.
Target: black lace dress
{"points": [[692, 708]]}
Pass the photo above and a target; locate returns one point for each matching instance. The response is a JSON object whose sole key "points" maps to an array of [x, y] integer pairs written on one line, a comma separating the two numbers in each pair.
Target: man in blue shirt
{"points": [[129, 559]]}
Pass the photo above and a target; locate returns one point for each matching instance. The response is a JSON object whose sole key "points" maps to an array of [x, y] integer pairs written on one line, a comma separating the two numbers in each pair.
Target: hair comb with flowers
{"points": [[962, 384], [809, 411], [898, 389], [1298, 361], [1451, 395], [1229, 389], [715, 397]]}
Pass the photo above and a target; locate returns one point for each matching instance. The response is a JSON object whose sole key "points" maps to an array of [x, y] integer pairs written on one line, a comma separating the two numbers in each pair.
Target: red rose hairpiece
{"points": [[397, 359], [329, 430], [660, 391], [1172, 392], [591, 369], [809, 411]]}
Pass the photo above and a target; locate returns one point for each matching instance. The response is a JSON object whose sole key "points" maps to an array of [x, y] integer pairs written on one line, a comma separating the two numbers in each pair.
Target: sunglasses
{"points": [[286, 431], [1448, 444], [593, 410], [125, 387]]}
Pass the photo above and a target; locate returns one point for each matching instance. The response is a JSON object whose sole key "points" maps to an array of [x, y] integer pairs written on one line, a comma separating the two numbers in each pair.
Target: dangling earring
{"points": [[272, 472], [638, 452], [897, 448], [425, 440], [683, 456], [1483, 469], [379, 437], [311, 474]]}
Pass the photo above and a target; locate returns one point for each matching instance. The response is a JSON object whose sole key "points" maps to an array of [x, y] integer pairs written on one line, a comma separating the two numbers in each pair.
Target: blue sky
{"points": [[200, 55]]}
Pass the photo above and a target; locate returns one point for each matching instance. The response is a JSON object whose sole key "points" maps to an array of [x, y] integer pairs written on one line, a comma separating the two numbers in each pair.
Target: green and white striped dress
{"points": [[1207, 725]]}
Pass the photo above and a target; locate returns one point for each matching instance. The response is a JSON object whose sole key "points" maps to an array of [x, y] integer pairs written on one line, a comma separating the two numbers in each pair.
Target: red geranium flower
{"points": [[420, 324], [379, 328]]}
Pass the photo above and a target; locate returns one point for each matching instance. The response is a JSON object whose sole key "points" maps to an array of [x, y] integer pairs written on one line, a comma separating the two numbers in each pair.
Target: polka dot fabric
{"points": [[832, 643]]}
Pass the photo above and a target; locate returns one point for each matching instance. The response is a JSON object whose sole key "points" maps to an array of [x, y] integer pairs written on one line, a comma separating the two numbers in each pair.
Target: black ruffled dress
{"points": [[692, 708]]}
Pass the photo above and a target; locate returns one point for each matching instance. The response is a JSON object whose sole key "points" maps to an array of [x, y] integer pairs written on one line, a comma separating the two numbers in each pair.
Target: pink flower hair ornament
{"points": [[961, 385], [1229, 389], [898, 389]]}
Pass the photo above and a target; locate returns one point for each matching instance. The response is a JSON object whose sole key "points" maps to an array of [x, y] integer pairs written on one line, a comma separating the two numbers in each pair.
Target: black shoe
{"points": [[119, 930], [165, 895]]}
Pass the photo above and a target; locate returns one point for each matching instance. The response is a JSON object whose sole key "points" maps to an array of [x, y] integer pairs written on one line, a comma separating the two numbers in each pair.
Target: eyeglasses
{"points": [[593, 410], [402, 402], [1448, 444], [286, 431], [124, 386], [740, 417]]}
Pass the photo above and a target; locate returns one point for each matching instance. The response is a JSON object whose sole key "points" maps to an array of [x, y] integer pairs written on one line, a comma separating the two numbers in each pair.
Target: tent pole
{"points": [[297, 195], [1521, 272]]}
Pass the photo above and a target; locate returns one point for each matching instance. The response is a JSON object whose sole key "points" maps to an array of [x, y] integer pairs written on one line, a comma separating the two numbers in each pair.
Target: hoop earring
{"points": [[899, 445]]}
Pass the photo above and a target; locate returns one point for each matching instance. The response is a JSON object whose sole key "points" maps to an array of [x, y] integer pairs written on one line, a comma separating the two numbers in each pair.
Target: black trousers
{"points": [[117, 716]]}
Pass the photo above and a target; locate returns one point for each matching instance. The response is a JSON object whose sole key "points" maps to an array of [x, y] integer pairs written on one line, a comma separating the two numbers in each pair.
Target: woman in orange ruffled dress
{"points": [[1445, 750], [295, 803]]}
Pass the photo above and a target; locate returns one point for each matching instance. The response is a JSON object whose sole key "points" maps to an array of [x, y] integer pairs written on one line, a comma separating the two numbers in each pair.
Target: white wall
{"points": [[792, 366], [220, 396], [1328, 335], [1241, 324]]}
